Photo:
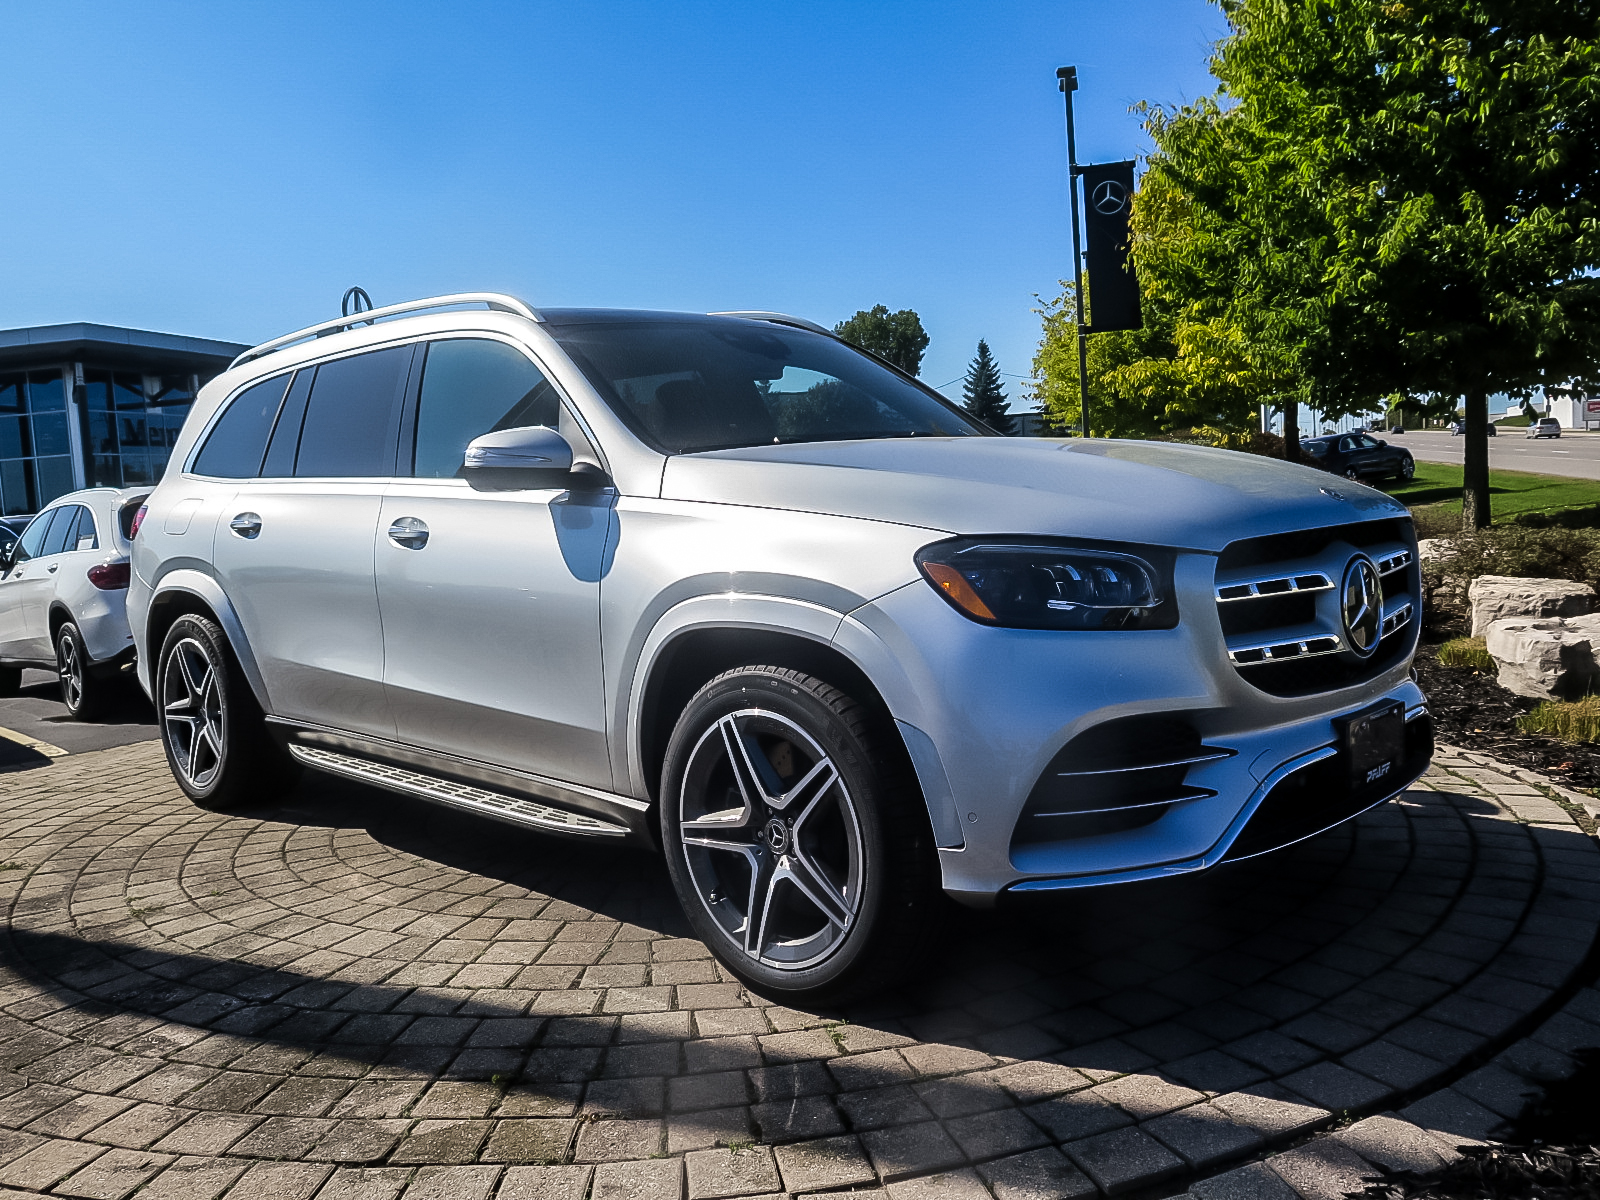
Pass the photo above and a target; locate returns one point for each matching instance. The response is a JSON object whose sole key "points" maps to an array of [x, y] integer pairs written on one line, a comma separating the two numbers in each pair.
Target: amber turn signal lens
{"points": [[954, 584]]}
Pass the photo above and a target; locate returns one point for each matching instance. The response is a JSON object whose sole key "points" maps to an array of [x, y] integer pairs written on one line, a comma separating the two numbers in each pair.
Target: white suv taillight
{"points": [[138, 520], [108, 577]]}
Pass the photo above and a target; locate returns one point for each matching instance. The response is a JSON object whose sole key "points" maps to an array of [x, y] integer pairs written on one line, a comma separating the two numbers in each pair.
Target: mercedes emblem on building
{"points": [[1361, 605], [1109, 197]]}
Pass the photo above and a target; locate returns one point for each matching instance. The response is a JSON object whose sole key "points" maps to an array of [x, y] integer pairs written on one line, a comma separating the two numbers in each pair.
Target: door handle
{"points": [[52, 568], [409, 533], [246, 525]]}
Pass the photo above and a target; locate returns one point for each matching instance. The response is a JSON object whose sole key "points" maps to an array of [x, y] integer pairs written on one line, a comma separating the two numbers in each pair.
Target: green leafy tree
{"points": [[897, 337], [982, 394], [1390, 196]]}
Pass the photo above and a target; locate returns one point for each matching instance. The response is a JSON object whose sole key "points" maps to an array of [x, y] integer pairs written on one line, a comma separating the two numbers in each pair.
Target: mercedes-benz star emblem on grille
{"points": [[1109, 197], [1361, 602]]}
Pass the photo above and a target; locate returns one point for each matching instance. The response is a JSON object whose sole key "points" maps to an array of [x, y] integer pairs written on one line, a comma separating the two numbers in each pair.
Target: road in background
{"points": [[1573, 454], [36, 714]]}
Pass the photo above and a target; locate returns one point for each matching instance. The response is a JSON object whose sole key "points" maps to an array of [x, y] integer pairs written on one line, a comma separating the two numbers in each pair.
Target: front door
{"points": [[491, 600], [27, 586]]}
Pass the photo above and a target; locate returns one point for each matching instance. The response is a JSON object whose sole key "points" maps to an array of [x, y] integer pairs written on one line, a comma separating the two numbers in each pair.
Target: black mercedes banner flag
{"points": [[1113, 290]]}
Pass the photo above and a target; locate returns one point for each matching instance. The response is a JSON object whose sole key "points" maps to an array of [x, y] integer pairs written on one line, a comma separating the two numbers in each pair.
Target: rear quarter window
{"points": [[238, 441]]}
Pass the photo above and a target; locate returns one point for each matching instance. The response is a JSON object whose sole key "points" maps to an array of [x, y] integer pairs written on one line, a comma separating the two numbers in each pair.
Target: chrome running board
{"points": [[516, 809]]}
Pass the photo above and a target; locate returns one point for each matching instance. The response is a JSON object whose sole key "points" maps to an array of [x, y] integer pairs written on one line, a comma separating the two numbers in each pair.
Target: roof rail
{"points": [[494, 300], [777, 318]]}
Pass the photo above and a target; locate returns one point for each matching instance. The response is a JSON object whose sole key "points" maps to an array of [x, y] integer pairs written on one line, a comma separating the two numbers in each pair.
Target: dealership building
{"points": [[94, 405]]}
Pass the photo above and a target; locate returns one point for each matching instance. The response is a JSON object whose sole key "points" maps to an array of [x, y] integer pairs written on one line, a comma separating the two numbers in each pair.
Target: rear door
{"points": [[293, 546]]}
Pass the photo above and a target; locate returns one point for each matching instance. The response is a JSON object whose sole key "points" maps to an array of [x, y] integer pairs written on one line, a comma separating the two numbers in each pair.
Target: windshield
{"points": [[712, 383]]}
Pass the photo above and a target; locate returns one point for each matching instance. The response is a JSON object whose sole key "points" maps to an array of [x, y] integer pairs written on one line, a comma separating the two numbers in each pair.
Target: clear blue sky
{"points": [[227, 170]]}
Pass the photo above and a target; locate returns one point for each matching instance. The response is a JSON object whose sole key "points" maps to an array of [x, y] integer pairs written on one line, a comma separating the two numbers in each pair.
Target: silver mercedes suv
{"points": [[726, 586]]}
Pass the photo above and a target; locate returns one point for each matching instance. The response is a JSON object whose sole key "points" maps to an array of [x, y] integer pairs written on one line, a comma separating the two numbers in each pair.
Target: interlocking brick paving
{"points": [[350, 994]]}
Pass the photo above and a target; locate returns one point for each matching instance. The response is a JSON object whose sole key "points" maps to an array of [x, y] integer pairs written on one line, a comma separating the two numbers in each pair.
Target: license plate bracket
{"points": [[1373, 743]]}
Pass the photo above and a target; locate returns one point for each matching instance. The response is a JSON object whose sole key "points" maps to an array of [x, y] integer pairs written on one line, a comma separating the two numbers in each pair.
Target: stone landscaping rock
{"points": [[1542, 659], [1498, 597]]}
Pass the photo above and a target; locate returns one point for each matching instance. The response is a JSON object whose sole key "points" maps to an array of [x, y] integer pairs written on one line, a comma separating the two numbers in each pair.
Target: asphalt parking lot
{"points": [[352, 994], [34, 723]]}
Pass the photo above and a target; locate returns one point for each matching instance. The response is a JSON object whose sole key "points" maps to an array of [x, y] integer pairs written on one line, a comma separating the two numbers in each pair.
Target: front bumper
{"points": [[986, 711]]}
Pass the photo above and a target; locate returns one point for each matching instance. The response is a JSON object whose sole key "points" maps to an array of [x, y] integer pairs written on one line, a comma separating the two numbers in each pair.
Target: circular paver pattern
{"points": [[352, 994]]}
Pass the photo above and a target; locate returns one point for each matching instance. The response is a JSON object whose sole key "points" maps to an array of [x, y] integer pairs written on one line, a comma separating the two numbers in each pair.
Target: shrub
{"points": [[1467, 652], [1568, 720]]}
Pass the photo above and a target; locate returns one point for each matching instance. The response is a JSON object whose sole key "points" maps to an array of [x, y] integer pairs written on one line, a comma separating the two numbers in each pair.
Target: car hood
{"points": [[1153, 492]]}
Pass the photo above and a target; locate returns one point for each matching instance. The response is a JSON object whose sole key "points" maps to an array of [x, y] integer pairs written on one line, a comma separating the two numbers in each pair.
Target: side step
{"points": [[516, 809]]}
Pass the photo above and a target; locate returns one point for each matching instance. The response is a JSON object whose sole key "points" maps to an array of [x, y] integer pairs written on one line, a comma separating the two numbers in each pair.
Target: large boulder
{"points": [[1499, 597], [1544, 658]]}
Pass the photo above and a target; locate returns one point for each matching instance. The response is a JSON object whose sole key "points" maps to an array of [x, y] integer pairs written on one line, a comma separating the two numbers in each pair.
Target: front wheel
{"points": [[796, 837], [212, 729], [83, 692], [1408, 469]]}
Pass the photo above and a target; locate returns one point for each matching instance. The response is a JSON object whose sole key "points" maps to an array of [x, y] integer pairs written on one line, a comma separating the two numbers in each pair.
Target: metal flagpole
{"points": [[1067, 78]]}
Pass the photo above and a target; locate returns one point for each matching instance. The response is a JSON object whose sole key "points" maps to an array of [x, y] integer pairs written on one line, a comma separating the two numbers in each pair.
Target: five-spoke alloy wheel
{"points": [[82, 691], [775, 796], [211, 726]]}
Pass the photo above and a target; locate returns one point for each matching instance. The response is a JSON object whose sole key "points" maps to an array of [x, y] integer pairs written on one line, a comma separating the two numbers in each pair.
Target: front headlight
{"points": [[1042, 585]]}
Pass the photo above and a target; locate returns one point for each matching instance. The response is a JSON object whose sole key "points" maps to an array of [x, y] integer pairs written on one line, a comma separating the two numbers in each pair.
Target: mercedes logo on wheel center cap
{"points": [[777, 836], [1109, 197], [1361, 605]]}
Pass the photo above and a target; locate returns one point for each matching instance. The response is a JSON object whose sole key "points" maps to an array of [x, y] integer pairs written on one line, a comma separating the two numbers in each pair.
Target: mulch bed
{"points": [[1472, 711], [1550, 1152]]}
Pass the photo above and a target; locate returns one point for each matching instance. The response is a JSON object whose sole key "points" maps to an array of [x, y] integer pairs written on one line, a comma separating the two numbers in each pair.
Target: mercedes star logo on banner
{"points": [[1109, 197]]}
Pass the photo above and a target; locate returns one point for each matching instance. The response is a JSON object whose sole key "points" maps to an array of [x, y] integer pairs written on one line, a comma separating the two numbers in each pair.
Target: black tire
{"points": [[82, 690], [212, 729], [843, 852], [10, 681], [1408, 470], [1352, 474]]}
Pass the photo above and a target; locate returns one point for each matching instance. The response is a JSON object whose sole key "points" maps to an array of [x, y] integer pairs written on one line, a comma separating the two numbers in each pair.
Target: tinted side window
{"points": [[470, 387], [33, 537], [352, 418], [83, 536], [238, 440], [60, 529], [279, 462]]}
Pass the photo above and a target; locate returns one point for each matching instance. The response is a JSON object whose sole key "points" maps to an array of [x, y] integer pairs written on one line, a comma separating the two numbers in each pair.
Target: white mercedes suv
{"points": [[724, 585]]}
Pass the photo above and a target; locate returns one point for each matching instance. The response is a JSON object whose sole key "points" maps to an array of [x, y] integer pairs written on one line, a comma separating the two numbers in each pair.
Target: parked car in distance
{"points": [[63, 596], [1360, 456], [1397, 429], [1457, 428], [1544, 427], [723, 586]]}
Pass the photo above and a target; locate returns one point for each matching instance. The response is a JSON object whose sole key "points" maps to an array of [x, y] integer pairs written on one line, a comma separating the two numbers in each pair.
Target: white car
{"points": [[63, 596], [1544, 427]]}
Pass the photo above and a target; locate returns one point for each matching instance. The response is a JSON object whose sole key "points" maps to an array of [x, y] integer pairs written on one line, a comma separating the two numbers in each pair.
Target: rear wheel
{"points": [[82, 691], [212, 729], [1408, 469], [1352, 473], [796, 837]]}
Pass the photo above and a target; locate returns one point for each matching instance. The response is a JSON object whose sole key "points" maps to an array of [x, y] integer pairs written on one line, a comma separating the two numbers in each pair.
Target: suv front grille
{"points": [[1278, 599]]}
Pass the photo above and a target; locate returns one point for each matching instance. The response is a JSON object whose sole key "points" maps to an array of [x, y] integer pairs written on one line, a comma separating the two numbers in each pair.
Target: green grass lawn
{"points": [[1437, 486]]}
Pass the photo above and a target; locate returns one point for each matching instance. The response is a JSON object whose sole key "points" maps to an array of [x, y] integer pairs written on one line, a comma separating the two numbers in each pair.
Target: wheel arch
{"points": [[687, 658], [190, 592]]}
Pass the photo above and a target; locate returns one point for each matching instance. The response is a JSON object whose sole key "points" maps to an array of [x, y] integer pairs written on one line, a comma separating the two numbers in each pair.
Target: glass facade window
{"points": [[35, 451], [131, 424]]}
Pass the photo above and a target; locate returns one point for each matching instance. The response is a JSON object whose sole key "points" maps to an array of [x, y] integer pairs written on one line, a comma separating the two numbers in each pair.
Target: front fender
{"points": [[725, 610], [202, 586]]}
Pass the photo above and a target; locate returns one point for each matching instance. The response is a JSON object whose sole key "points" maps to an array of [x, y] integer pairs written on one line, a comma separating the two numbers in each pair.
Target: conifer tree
{"points": [[984, 398]]}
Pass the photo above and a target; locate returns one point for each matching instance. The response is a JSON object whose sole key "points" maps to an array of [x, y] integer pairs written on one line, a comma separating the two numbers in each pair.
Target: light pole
{"points": [[1067, 79]]}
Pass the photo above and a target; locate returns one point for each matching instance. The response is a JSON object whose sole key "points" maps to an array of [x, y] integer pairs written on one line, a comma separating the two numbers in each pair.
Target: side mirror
{"points": [[1381, 442], [509, 460], [530, 456]]}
